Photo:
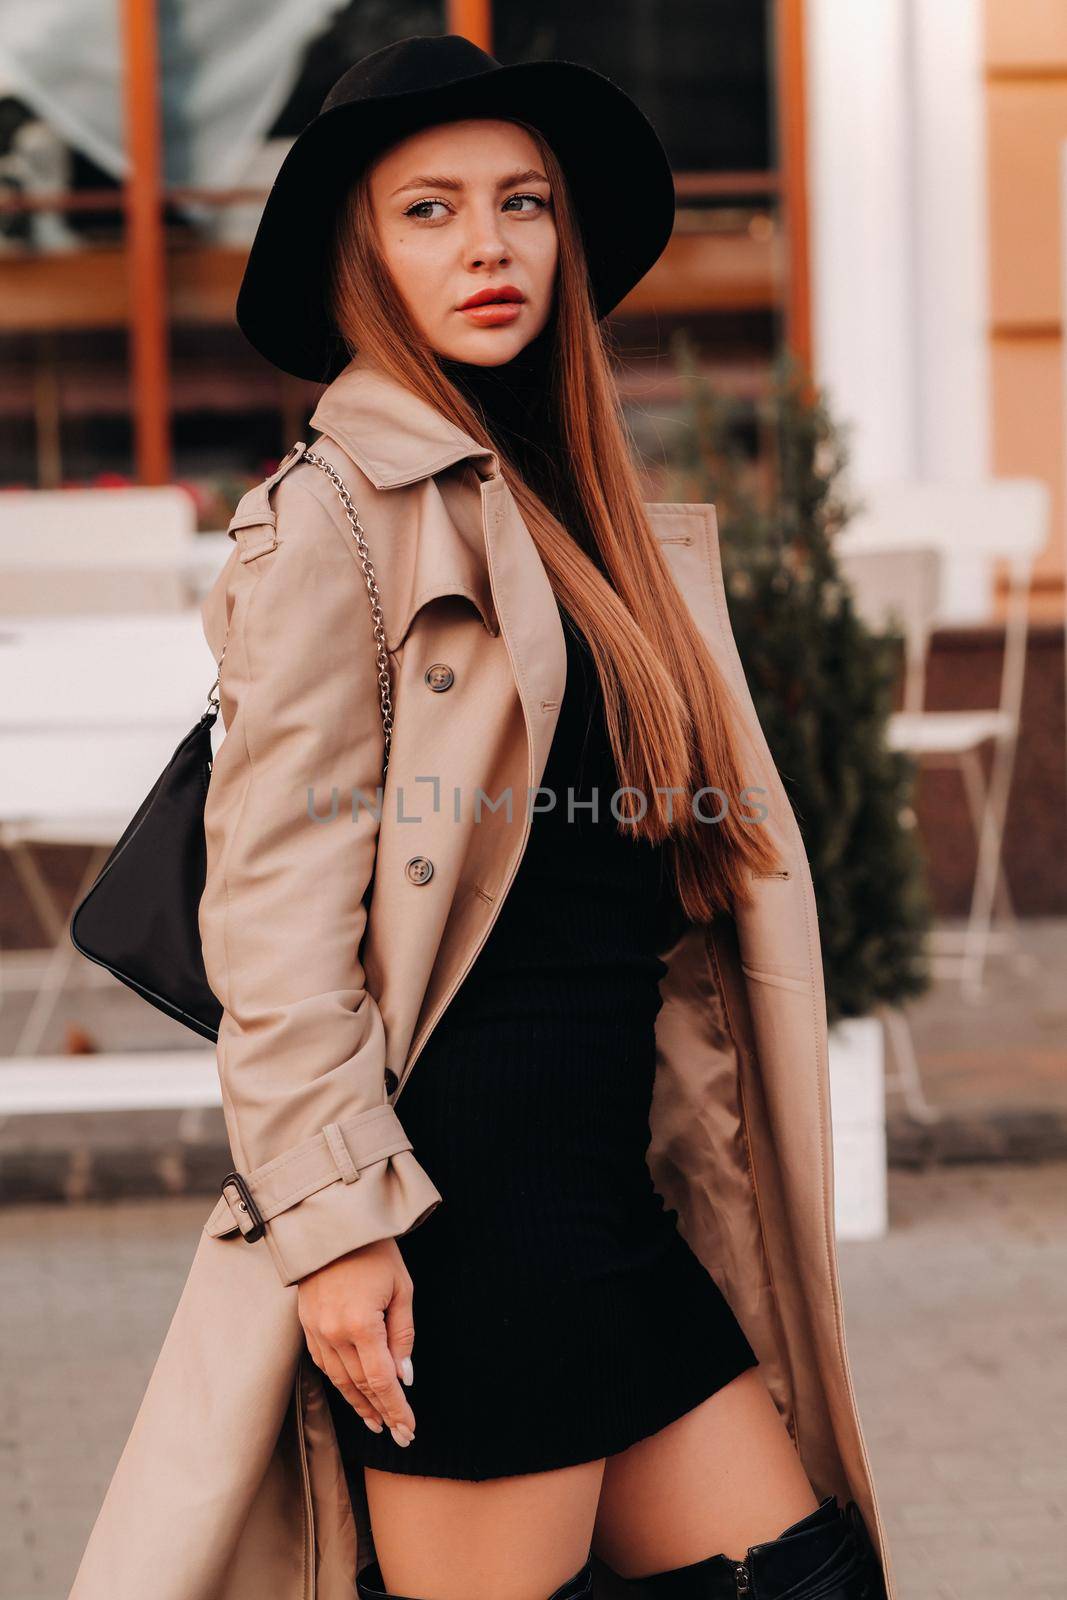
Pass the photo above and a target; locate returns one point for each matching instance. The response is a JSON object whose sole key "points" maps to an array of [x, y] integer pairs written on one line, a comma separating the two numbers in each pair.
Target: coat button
{"points": [[440, 676], [419, 869], [391, 1080]]}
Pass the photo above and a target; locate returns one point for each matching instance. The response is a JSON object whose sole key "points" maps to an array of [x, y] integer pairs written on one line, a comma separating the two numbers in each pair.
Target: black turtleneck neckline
{"points": [[516, 399]]}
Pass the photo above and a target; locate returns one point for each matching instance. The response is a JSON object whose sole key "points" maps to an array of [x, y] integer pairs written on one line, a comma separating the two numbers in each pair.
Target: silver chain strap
{"points": [[375, 603], [372, 589], [212, 694]]}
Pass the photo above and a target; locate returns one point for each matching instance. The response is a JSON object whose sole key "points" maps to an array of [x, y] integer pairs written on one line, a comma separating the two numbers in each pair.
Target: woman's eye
{"points": [[526, 205], [539, 202], [419, 210]]}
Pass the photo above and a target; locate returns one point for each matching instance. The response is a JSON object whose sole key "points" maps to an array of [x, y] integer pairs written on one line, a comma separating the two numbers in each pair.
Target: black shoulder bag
{"points": [[140, 918]]}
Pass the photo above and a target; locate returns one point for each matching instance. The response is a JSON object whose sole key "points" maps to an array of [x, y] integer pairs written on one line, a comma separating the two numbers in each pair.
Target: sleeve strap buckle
{"points": [[244, 1208]]}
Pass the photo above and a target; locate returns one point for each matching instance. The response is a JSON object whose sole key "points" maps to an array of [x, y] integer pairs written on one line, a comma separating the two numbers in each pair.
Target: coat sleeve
{"points": [[290, 858]]}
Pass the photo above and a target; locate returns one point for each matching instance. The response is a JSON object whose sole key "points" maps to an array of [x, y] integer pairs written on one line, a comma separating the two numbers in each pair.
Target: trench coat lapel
{"points": [[396, 439]]}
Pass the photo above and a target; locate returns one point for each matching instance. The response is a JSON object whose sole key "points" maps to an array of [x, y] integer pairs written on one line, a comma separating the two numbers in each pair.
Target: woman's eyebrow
{"points": [[531, 175]]}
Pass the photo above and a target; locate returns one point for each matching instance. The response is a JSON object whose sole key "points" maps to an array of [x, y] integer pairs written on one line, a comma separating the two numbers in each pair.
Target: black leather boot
{"points": [[370, 1585], [827, 1555]]}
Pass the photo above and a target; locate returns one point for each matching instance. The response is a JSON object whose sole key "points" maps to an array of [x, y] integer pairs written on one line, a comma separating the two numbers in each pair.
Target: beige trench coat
{"points": [[336, 945]]}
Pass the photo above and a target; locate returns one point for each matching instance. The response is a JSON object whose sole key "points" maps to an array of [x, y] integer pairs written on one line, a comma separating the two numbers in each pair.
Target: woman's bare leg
{"points": [[516, 1538], [723, 1477]]}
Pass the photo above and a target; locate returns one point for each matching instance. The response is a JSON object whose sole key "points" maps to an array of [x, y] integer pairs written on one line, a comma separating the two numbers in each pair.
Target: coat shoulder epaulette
{"points": [[254, 524]]}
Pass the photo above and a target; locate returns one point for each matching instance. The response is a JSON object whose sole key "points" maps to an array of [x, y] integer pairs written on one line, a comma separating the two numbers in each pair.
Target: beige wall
{"points": [[1026, 106]]}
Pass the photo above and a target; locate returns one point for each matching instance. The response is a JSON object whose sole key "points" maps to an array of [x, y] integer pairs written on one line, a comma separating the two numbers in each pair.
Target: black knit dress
{"points": [[559, 1315]]}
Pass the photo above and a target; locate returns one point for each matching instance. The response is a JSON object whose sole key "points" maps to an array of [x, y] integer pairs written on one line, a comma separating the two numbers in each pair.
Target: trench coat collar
{"points": [[396, 438], [393, 435]]}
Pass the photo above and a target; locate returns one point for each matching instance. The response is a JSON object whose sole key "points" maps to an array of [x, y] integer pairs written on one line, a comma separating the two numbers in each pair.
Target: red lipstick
{"points": [[493, 306]]}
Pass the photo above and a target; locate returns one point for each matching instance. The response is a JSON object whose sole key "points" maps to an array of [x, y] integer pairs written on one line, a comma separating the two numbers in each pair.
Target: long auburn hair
{"points": [[670, 715]]}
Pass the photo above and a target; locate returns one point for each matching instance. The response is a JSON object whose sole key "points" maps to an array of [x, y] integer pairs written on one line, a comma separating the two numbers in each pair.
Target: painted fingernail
{"points": [[407, 1375], [401, 1434], [375, 1427]]}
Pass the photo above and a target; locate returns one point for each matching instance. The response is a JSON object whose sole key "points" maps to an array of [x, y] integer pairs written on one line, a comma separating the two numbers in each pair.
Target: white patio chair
{"points": [[899, 589], [1006, 519]]}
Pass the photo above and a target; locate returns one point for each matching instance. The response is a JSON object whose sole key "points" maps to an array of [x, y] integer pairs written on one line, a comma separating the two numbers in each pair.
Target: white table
{"points": [[167, 1080]]}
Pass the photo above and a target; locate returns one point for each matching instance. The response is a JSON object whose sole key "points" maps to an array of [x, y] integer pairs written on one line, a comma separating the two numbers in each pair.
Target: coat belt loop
{"points": [[339, 1150]]}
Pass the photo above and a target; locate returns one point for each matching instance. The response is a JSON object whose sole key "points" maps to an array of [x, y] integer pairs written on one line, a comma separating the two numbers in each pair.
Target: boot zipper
{"points": [[741, 1578]]}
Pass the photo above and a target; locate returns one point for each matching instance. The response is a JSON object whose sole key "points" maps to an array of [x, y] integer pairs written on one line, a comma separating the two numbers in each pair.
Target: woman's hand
{"points": [[356, 1313]]}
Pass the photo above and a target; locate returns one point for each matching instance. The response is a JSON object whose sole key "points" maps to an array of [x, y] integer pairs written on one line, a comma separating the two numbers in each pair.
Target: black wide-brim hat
{"points": [[616, 168]]}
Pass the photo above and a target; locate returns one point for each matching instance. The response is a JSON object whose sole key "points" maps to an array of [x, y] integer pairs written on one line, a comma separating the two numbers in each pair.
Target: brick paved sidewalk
{"points": [[956, 1324]]}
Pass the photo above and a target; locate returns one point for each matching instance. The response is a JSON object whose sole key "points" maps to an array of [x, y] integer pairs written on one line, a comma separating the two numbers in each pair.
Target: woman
{"points": [[585, 1387]]}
